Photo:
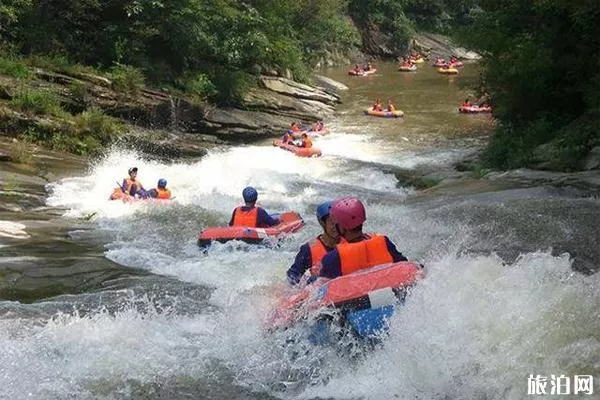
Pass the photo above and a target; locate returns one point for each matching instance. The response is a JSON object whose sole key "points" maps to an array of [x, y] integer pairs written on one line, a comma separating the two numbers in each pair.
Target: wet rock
{"points": [[376, 43], [592, 161], [297, 90], [4, 157], [584, 180], [331, 85], [544, 156], [442, 45]]}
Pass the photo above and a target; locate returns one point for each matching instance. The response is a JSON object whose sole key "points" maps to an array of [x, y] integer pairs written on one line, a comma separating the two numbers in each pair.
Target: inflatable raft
{"points": [[384, 114], [320, 132], [418, 60], [448, 71], [474, 109], [289, 222], [299, 151], [118, 194], [403, 68], [362, 72], [366, 299]]}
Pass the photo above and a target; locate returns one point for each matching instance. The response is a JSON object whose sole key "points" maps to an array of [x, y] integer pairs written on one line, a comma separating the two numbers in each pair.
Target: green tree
{"points": [[541, 67]]}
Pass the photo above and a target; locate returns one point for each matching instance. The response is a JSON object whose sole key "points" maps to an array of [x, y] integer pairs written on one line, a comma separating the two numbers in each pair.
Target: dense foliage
{"points": [[542, 68], [211, 47]]}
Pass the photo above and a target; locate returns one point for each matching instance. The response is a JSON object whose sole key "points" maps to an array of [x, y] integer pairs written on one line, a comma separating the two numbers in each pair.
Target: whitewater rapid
{"points": [[474, 328]]}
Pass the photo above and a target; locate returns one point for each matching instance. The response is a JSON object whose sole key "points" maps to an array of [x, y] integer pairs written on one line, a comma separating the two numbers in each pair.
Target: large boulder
{"points": [[433, 43], [592, 161], [297, 90], [331, 85]]}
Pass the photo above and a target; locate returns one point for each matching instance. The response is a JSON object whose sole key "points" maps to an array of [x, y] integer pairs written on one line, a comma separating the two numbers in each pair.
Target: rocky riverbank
{"points": [[159, 122]]}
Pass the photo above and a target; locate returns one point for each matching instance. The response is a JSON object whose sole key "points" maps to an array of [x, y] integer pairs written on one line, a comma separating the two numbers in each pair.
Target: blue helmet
{"points": [[323, 210], [250, 194], [162, 183]]}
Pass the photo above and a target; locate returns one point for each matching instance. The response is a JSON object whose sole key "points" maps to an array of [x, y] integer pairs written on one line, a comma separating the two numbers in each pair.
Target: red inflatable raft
{"points": [[118, 194], [320, 132], [474, 109], [290, 222], [362, 72], [299, 151], [367, 288]]}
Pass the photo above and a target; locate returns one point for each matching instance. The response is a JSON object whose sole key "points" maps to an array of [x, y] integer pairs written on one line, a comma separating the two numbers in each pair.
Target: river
{"points": [[500, 299]]}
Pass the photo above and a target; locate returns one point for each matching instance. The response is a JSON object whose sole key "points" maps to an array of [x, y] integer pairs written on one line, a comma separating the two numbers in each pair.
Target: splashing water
{"points": [[474, 328]]}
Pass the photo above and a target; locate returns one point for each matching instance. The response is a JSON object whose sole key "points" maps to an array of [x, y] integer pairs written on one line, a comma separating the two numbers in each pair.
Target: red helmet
{"points": [[348, 213]]}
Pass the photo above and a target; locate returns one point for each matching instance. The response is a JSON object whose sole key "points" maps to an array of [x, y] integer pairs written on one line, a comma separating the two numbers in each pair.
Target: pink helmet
{"points": [[348, 212]]}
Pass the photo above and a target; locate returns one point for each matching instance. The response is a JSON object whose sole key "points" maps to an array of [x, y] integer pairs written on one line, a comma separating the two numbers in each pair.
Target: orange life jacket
{"points": [[364, 254], [163, 193], [391, 108], [317, 252], [245, 218], [129, 182], [307, 143], [377, 107]]}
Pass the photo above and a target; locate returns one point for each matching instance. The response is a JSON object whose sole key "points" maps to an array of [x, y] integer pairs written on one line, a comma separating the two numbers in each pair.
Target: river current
{"points": [[500, 300]]}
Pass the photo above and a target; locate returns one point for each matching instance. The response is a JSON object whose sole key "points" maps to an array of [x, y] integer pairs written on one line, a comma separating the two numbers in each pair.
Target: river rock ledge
{"points": [[266, 111]]}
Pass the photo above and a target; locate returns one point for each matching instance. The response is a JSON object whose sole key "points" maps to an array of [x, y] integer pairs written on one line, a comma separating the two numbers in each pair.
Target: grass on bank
{"points": [[14, 67], [38, 102], [84, 134]]}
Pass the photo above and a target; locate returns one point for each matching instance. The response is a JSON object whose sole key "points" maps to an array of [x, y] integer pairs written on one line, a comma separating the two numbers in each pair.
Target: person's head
{"points": [[348, 215], [467, 100], [132, 172], [250, 195], [304, 136], [325, 220], [378, 101], [162, 183], [389, 101]]}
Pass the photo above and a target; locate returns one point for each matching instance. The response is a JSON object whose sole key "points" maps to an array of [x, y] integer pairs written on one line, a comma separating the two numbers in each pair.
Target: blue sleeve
{"points": [[231, 220], [264, 219], [396, 255], [124, 185], [331, 266], [152, 193], [301, 264]]}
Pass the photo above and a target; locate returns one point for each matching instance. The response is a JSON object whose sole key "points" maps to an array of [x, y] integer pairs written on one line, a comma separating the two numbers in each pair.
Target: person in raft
{"points": [[390, 106], [161, 192], [377, 106], [131, 185], [467, 103], [311, 253], [317, 126], [306, 142], [360, 250], [287, 137], [249, 215]]}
